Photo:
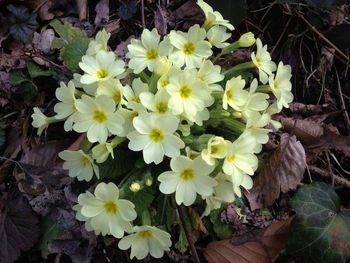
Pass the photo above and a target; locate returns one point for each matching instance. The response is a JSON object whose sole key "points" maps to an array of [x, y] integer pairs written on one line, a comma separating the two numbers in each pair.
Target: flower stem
{"points": [[243, 66], [183, 222]]}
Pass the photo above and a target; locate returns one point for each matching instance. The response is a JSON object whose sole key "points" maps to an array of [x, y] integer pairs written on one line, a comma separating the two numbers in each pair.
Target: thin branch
{"points": [[183, 222], [326, 174]]}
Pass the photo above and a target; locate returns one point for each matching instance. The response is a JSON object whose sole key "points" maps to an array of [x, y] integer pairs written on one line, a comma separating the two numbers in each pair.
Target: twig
{"points": [[343, 108], [282, 34], [323, 37], [143, 13], [183, 222], [324, 173]]}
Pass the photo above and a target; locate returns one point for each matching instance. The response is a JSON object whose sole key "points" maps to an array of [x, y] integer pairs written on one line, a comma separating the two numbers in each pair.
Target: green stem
{"points": [[243, 66], [152, 83], [144, 77], [78, 93], [234, 46], [117, 140], [263, 88], [234, 125]]}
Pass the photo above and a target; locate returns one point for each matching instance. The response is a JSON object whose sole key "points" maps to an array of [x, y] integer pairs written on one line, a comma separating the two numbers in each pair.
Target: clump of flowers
{"points": [[197, 127]]}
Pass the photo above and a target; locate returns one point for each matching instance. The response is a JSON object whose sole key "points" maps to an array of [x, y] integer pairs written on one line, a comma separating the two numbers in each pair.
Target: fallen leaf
{"points": [[122, 48], [162, 17], [196, 220], [42, 42], [82, 6], [283, 171], [18, 227], [308, 109], [263, 246], [320, 231], [102, 12]]}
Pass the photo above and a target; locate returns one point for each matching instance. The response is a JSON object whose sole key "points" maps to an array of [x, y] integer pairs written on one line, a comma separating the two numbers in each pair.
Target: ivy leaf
{"points": [[23, 23], [35, 71], [48, 232], [18, 227], [320, 232], [73, 43]]}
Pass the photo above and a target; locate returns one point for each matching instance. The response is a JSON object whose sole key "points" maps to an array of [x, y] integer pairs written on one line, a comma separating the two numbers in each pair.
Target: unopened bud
{"points": [[246, 40], [162, 66], [135, 187]]}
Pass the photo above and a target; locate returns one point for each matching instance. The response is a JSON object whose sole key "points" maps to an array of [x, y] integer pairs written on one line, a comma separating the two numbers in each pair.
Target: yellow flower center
{"points": [[146, 234], [133, 115], [102, 74], [151, 54], [161, 107], [137, 99], [100, 116], [85, 160], [258, 60], [156, 135], [275, 85], [117, 97], [209, 22], [164, 83], [214, 149], [230, 159], [188, 48], [74, 108], [229, 94], [185, 92], [201, 78], [187, 174], [111, 207]]}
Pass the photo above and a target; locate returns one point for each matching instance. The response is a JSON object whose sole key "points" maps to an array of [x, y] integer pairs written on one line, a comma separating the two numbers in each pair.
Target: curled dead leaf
{"points": [[262, 247], [283, 171]]}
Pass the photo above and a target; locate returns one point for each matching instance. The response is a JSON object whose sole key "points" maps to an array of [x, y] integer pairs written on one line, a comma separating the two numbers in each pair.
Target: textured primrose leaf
{"points": [[35, 71], [17, 77], [23, 23], [141, 199], [320, 232], [73, 52]]}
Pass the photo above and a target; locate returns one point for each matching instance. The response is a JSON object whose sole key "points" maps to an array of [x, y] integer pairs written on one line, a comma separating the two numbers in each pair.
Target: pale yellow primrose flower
{"points": [[40, 120], [218, 148], [146, 239], [100, 152], [234, 94], [99, 43], [112, 88], [156, 102], [106, 212], [154, 135], [190, 48], [254, 127], [223, 192], [213, 17], [246, 40], [241, 158], [241, 180], [66, 108], [281, 85], [210, 74], [217, 36], [143, 53], [162, 66], [98, 117], [100, 68], [262, 61], [89, 89], [188, 94], [187, 178], [79, 164], [133, 94]]}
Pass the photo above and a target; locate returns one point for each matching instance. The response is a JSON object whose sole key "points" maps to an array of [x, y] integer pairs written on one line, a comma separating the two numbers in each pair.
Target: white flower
{"points": [[156, 102], [190, 48], [98, 117], [132, 95], [188, 94], [234, 94], [146, 239], [143, 53], [89, 89], [210, 74], [66, 108], [242, 180], [281, 85], [187, 178], [217, 36], [213, 17], [112, 88], [100, 68], [40, 120], [100, 152], [106, 212], [262, 61], [99, 43], [254, 128], [217, 148], [154, 135], [162, 66], [79, 164]]}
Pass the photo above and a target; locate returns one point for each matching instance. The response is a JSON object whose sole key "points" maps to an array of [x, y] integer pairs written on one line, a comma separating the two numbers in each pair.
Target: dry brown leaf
{"points": [[263, 248], [82, 6], [102, 12], [308, 109], [196, 220], [162, 18], [42, 42], [283, 171]]}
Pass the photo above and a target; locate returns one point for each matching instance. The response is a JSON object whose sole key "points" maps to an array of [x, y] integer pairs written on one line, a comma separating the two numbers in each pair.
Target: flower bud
{"points": [[162, 66], [246, 40], [149, 181], [135, 187]]}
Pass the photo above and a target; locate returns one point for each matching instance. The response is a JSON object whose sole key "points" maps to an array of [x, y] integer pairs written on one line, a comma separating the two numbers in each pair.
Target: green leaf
{"points": [[320, 232], [27, 90], [36, 71], [141, 199], [73, 52], [48, 232], [233, 10], [67, 33], [221, 229], [23, 23], [17, 77], [118, 166]]}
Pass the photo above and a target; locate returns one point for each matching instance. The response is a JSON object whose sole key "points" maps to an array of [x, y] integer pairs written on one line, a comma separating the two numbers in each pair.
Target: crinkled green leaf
{"points": [[73, 52], [17, 77], [23, 23], [48, 232], [67, 33], [35, 71], [320, 232]]}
